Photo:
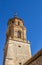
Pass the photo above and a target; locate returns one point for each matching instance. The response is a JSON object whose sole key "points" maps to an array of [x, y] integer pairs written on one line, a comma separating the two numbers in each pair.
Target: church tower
{"points": [[17, 48]]}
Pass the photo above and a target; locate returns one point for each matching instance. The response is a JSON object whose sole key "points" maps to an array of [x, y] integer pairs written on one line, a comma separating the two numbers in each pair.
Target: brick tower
{"points": [[17, 48]]}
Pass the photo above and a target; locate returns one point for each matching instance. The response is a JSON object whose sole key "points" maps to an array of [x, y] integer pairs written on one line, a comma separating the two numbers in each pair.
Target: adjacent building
{"points": [[36, 59]]}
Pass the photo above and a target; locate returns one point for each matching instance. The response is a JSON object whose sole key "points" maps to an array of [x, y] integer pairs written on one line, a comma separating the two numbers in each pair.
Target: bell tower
{"points": [[17, 48]]}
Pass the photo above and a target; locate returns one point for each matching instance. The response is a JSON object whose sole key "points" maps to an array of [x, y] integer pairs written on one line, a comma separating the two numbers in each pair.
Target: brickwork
{"points": [[36, 59]]}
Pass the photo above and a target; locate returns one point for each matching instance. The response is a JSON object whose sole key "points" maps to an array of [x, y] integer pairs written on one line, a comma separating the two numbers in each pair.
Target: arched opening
{"points": [[18, 23], [19, 34], [12, 22]]}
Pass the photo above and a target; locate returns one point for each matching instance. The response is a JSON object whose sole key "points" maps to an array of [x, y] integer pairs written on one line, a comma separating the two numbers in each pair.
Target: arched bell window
{"points": [[18, 23], [12, 22], [19, 34]]}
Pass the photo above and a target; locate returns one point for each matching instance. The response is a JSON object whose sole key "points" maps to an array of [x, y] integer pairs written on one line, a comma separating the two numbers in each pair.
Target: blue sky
{"points": [[31, 13]]}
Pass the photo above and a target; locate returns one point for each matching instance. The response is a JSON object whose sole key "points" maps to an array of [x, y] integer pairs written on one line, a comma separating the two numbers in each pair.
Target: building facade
{"points": [[17, 48]]}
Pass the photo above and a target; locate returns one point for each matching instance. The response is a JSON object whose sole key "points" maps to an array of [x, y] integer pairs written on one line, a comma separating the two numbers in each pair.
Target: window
{"points": [[19, 34], [18, 23], [12, 22]]}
